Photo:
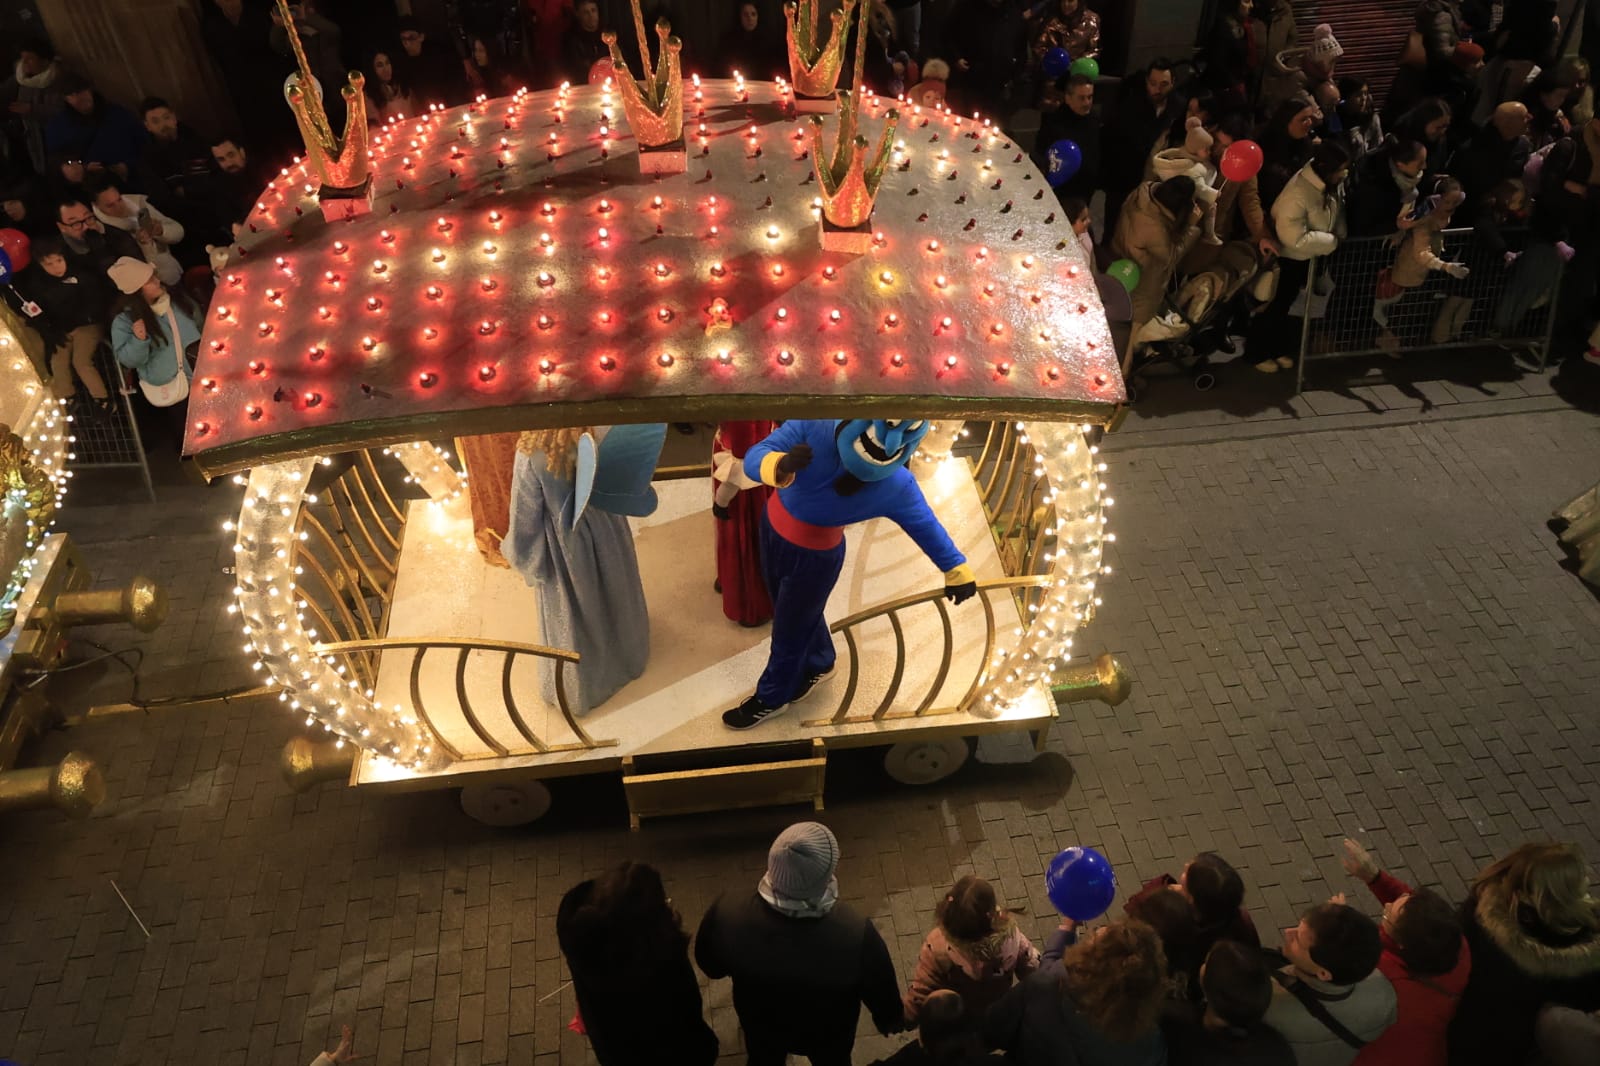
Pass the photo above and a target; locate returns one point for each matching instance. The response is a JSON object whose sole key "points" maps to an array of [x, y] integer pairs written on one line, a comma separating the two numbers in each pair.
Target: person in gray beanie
{"points": [[802, 963]]}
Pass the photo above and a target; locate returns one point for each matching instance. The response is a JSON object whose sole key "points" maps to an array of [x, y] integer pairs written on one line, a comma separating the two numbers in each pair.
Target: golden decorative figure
{"points": [[340, 163], [814, 65], [850, 179], [653, 103]]}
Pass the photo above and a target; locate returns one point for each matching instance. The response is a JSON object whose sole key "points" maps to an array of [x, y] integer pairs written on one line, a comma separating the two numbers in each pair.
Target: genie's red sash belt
{"points": [[806, 535]]}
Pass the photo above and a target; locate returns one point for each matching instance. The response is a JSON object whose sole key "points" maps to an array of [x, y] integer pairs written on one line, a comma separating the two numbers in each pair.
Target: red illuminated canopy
{"points": [[518, 271]]}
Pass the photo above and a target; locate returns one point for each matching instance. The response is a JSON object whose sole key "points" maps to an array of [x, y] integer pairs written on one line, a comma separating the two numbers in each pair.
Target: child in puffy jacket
{"points": [[1193, 159], [975, 950], [1421, 240]]}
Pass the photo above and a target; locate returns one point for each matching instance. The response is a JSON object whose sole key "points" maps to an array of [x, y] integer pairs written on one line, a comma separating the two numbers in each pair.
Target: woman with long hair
{"points": [[638, 998], [1308, 217], [387, 89], [155, 333], [1099, 1007], [1534, 931]]}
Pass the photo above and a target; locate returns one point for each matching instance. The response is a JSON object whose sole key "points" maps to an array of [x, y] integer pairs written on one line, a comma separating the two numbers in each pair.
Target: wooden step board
{"points": [[697, 782]]}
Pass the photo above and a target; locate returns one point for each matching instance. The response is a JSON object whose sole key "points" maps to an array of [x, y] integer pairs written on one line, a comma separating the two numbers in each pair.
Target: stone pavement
{"points": [[1361, 630]]}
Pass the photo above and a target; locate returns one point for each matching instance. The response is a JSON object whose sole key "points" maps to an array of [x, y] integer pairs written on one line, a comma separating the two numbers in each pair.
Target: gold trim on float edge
{"points": [[348, 436]]}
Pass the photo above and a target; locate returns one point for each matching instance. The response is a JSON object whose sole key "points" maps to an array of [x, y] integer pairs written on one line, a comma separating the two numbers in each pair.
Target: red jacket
{"points": [[1424, 1005]]}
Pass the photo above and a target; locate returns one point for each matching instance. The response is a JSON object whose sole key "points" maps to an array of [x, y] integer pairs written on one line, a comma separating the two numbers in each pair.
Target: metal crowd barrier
{"points": [[113, 440], [1499, 304]]}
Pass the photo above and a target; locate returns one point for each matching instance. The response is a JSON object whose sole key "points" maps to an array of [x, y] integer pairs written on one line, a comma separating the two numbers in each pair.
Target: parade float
{"points": [[641, 251]]}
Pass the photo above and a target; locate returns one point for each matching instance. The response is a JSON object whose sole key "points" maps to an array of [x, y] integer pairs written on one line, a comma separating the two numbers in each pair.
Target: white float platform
{"points": [[701, 663]]}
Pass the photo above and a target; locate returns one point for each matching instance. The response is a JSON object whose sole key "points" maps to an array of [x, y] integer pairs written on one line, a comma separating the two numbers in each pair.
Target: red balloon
{"points": [[17, 247], [1241, 161]]}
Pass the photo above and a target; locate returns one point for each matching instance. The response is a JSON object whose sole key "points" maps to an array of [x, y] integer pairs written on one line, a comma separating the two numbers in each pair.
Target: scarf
{"points": [[42, 80], [162, 304], [800, 908]]}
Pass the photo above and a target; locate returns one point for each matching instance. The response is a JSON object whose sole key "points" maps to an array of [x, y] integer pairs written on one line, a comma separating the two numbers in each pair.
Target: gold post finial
{"points": [[851, 177], [654, 102], [340, 163], [814, 64]]}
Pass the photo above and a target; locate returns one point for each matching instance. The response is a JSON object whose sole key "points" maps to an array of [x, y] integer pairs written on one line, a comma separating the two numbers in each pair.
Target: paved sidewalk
{"points": [[1363, 630]]}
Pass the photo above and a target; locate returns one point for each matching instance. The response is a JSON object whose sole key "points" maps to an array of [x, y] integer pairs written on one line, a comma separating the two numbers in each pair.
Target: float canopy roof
{"points": [[518, 271]]}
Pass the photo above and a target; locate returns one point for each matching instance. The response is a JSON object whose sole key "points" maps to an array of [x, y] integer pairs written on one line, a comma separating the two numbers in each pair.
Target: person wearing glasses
{"points": [[91, 248]]}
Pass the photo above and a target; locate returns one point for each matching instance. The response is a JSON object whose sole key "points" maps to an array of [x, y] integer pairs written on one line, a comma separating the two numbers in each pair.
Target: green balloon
{"points": [[1126, 271], [1089, 68]]}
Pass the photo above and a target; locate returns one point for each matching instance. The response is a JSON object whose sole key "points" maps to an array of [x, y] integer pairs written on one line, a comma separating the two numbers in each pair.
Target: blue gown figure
{"points": [[830, 474], [569, 537]]}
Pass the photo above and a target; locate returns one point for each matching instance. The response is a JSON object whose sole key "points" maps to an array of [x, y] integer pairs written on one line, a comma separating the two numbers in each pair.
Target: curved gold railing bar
{"points": [[511, 652], [847, 627]]}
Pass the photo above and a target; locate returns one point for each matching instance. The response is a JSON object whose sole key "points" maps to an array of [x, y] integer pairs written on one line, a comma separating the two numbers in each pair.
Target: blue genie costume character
{"points": [[830, 474]]}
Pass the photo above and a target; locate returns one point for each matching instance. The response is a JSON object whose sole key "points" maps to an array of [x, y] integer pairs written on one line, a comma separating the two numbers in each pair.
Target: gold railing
{"points": [[348, 553], [354, 652], [1015, 492], [892, 610]]}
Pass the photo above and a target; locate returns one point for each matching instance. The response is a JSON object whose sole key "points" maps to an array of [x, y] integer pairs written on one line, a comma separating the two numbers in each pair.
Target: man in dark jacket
{"points": [[581, 46], [1072, 120], [1495, 153], [100, 134], [91, 248], [802, 963], [68, 309], [1147, 107], [982, 40], [434, 73]]}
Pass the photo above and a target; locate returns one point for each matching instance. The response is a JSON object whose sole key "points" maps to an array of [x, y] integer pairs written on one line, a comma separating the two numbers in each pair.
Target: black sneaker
{"points": [[751, 713], [811, 683]]}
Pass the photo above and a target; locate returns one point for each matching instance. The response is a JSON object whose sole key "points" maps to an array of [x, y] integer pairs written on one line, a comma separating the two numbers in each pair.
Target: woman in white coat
{"points": [[1308, 217], [136, 216]]}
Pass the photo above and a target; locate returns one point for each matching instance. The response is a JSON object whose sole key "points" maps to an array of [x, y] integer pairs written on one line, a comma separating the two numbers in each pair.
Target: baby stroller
{"points": [[1196, 307]]}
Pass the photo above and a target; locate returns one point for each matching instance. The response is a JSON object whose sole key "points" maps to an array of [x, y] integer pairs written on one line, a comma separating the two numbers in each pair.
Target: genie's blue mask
{"points": [[872, 450]]}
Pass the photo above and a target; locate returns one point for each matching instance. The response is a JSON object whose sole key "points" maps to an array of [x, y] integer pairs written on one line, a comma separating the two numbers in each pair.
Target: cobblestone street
{"points": [[1361, 629]]}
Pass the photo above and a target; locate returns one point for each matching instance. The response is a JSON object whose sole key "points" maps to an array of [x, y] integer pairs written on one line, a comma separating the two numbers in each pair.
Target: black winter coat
{"points": [[799, 983], [75, 299], [1517, 967], [636, 1006]]}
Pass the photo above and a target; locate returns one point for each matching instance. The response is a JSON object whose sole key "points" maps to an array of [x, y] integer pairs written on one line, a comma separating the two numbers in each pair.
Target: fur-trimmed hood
{"points": [[999, 952], [1537, 952]]}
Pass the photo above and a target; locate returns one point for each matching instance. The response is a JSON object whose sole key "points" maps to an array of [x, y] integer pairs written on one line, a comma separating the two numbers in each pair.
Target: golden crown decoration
{"points": [[814, 65], [654, 102], [341, 164], [851, 178]]}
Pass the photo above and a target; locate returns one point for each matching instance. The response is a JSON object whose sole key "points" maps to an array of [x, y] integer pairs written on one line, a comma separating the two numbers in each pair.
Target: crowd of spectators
{"points": [[1509, 976], [1484, 126]]}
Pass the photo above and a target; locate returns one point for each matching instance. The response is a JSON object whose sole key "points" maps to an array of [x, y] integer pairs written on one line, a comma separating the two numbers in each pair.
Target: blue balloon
{"points": [[5, 276], [1065, 159], [1080, 884], [1055, 63]]}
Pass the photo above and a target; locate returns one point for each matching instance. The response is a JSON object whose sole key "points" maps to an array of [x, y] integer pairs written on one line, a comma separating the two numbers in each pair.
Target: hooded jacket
{"points": [[1151, 236], [1423, 1005], [1309, 220], [1518, 966], [979, 971]]}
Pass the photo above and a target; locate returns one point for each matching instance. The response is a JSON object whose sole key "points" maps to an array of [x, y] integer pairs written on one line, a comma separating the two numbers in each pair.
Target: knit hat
{"points": [[1325, 47], [1467, 55], [130, 274], [1197, 142], [800, 867]]}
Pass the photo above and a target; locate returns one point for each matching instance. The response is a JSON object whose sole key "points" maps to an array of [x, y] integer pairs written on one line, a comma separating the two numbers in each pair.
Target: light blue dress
{"points": [[591, 599]]}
